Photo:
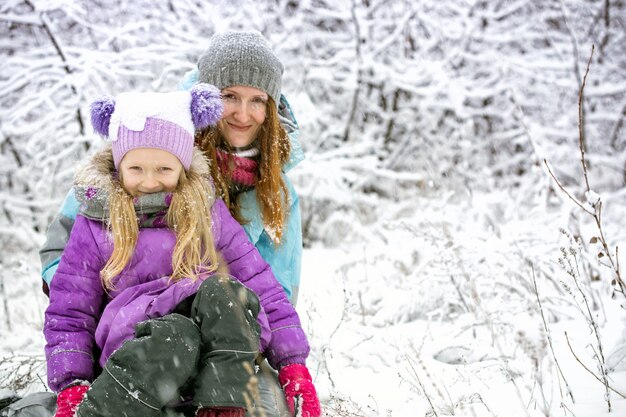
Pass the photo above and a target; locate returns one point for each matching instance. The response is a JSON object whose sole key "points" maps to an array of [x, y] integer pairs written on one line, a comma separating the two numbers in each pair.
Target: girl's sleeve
{"points": [[71, 318], [288, 343], [56, 238]]}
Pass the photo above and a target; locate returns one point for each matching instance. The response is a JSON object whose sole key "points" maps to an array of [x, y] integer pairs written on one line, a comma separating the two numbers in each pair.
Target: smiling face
{"points": [[149, 170], [244, 113]]}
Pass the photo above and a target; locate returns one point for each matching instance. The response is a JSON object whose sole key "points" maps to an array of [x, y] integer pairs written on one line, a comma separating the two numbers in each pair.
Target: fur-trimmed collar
{"points": [[94, 182]]}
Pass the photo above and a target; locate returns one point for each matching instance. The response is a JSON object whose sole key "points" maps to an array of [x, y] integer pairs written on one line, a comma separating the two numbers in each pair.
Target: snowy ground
{"points": [[431, 315], [431, 309], [364, 368]]}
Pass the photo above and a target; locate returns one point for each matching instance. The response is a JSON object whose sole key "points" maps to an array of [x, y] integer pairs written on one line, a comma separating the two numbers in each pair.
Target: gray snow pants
{"points": [[209, 354], [271, 401]]}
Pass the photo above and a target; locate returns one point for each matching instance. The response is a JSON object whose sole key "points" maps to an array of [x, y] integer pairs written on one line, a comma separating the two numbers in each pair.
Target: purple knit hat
{"points": [[164, 121]]}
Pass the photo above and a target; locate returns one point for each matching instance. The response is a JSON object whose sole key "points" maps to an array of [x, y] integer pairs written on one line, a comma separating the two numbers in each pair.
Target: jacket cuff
{"points": [[300, 360], [48, 273], [80, 364]]}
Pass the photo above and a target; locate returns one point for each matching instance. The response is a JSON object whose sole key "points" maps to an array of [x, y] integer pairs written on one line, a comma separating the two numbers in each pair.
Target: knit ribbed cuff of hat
{"points": [[157, 133]]}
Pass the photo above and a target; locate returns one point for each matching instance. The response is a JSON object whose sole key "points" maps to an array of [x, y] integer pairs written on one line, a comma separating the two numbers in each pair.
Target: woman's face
{"points": [[244, 113]]}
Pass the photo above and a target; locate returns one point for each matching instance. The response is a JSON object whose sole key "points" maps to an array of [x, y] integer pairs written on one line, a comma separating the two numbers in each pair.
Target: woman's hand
{"points": [[68, 400], [299, 390]]}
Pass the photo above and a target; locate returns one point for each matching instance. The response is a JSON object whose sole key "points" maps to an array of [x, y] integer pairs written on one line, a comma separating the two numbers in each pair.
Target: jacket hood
{"points": [[288, 121], [95, 181]]}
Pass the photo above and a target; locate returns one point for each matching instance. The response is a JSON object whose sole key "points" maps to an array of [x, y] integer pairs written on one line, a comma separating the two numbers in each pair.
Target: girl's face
{"points": [[244, 113], [149, 170]]}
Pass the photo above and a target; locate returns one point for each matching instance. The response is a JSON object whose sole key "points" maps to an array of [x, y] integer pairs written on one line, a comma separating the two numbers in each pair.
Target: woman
{"points": [[249, 152]]}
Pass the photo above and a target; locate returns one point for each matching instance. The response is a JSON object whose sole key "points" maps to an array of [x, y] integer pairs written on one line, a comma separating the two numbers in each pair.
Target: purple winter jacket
{"points": [[81, 315]]}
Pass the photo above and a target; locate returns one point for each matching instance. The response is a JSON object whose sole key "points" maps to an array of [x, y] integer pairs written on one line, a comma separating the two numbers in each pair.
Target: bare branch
{"points": [[419, 381], [589, 370], [581, 133], [545, 326], [359, 76], [597, 206], [57, 46], [571, 197]]}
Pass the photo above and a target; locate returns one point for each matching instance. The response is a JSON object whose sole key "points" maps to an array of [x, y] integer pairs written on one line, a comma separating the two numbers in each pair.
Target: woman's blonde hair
{"points": [[271, 191], [189, 217]]}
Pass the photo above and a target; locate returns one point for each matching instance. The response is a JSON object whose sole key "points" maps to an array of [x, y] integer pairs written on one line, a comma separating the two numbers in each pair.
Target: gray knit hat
{"points": [[241, 58]]}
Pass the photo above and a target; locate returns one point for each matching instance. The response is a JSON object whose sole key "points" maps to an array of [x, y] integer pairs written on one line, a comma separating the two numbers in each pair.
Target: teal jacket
{"points": [[284, 259]]}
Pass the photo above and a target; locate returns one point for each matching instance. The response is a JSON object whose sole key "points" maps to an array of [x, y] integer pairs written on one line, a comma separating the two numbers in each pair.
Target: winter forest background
{"points": [[446, 270]]}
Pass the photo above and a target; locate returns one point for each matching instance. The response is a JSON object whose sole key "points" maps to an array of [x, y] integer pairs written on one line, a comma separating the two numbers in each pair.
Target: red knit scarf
{"points": [[241, 170]]}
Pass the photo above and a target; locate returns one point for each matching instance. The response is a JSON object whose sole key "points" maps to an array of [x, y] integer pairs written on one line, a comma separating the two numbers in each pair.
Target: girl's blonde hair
{"points": [[189, 217], [271, 191]]}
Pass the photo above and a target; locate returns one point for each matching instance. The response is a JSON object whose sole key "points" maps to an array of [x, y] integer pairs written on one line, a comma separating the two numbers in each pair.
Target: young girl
{"points": [[171, 303]]}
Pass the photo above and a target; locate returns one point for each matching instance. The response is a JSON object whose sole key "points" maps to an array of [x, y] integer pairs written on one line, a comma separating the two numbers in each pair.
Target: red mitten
{"points": [[68, 400], [299, 390]]}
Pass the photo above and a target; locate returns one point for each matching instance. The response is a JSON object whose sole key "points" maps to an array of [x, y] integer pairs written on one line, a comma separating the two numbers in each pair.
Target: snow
{"points": [[432, 225], [462, 367]]}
